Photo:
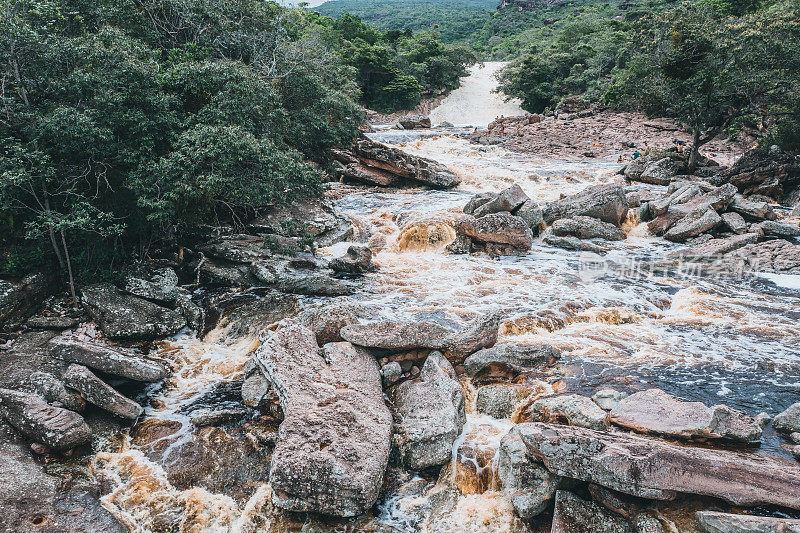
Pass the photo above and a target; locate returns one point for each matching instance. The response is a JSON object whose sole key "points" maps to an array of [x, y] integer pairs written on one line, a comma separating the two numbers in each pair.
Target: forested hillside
{"points": [[454, 19]]}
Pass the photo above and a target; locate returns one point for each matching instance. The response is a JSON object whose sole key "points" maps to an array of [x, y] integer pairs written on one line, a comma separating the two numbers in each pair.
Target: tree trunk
{"points": [[69, 270]]}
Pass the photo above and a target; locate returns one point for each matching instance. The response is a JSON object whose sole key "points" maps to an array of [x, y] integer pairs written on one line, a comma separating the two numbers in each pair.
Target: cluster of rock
{"points": [[513, 122], [373, 163]]}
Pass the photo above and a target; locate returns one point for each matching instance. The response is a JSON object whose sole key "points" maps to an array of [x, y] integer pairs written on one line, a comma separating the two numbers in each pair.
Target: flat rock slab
{"points": [[97, 392], [334, 441], [714, 522], [109, 359], [655, 411], [36, 420], [658, 470], [588, 228], [572, 409], [715, 248], [517, 358], [399, 335], [122, 316]]}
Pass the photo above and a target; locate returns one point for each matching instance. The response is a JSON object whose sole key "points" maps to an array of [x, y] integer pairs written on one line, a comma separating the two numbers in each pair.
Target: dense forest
{"points": [[124, 124]]}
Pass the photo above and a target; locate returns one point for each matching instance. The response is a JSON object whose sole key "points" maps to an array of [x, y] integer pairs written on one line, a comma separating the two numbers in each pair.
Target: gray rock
{"points": [[51, 322], [497, 228], [507, 200], [517, 358], [604, 202], [655, 411], [714, 249], [20, 299], [431, 415], [328, 319], [478, 334], [500, 401], [715, 200], [571, 409], [314, 216], [571, 243], [657, 470], [415, 122], [391, 373], [772, 228], [587, 228], [334, 440], [789, 420], [751, 208], [714, 522], [532, 214], [55, 427], [109, 359], [159, 284], [398, 335], [661, 172], [693, 225], [734, 222], [357, 261], [680, 196], [255, 389], [527, 483], [575, 515], [123, 316], [461, 245], [97, 392], [215, 417], [607, 399], [771, 256], [478, 200], [53, 391]]}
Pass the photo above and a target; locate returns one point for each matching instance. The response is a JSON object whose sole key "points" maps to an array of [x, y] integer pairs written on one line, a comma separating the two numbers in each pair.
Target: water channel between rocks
{"points": [[716, 340]]}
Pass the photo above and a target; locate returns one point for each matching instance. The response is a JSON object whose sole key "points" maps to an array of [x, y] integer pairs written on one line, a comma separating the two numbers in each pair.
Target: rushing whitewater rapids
{"points": [[717, 340]]}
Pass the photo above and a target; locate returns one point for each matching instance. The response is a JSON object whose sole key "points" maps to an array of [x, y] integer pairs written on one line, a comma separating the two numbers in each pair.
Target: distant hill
{"points": [[454, 19]]}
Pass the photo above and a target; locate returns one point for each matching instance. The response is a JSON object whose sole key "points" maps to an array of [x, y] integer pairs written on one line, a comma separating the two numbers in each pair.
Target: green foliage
{"points": [[455, 20], [123, 123]]}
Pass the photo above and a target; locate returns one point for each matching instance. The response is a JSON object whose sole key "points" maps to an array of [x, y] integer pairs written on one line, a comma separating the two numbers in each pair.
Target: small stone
{"points": [[391, 372], [607, 399]]}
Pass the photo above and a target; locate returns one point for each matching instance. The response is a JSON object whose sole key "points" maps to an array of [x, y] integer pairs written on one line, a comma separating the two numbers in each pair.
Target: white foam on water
{"points": [[787, 281]]}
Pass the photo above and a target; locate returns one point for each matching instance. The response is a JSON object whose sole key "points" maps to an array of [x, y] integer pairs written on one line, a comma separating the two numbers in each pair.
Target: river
{"points": [[714, 339]]}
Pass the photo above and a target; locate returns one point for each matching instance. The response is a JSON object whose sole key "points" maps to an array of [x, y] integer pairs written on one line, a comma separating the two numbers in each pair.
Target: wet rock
{"points": [[657, 470], [247, 317], [500, 401], [480, 333], [461, 245], [693, 225], [158, 284], [789, 420], [478, 200], [398, 335], [33, 501], [771, 256], [661, 172], [238, 248], [528, 484], [655, 411], [215, 417], [604, 202], [94, 390], [533, 216], [384, 165], [298, 276], [715, 248], [335, 437], [571, 409], [53, 391], [412, 122], [734, 222], [575, 515], [751, 208], [20, 299], [571, 243], [327, 320], [123, 316], [715, 522], [507, 200], [497, 228], [51, 322], [431, 414], [255, 390], [314, 217], [772, 228], [58, 428], [109, 359], [587, 228], [516, 358], [357, 261], [690, 214], [607, 399], [680, 196]]}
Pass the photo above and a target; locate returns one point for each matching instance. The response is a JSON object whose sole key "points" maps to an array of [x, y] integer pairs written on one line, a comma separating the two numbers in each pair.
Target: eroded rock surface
{"points": [[109, 359], [604, 202], [715, 522], [516, 358], [55, 427]]}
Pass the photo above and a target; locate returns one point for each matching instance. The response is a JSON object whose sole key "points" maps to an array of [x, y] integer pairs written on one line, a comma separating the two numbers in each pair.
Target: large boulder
{"points": [[122, 316], [752, 209], [658, 470], [788, 421], [478, 334], [770, 256], [432, 415], [773, 228], [604, 202], [716, 522], [771, 173], [397, 336], [92, 388], [524, 481], [314, 217], [334, 441], [716, 199], [715, 248], [532, 214], [514, 358], [497, 228], [500, 400], [661, 172], [655, 411], [412, 122], [112, 360], [55, 427], [357, 260], [507, 200], [693, 225], [587, 228], [571, 409], [20, 299], [327, 320]]}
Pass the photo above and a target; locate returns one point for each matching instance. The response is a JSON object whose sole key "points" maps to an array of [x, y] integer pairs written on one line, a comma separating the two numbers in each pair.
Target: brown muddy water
{"points": [[731, 340]]}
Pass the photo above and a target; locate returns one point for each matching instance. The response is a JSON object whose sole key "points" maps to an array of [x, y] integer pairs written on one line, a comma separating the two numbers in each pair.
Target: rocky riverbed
{"points": [[464, 339]]}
